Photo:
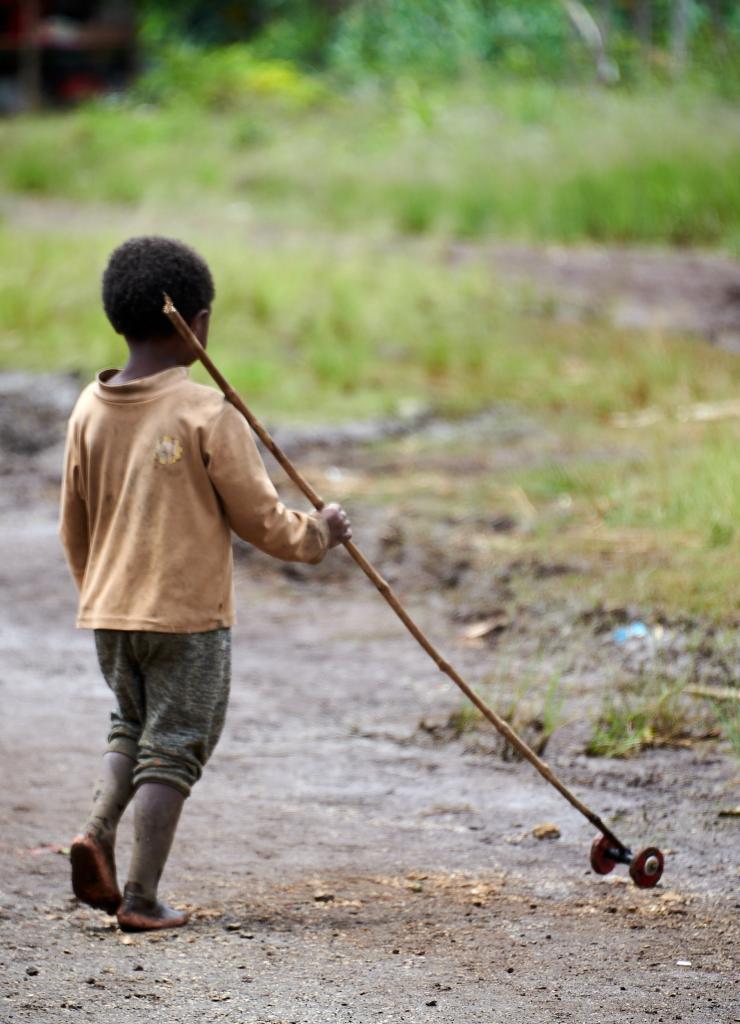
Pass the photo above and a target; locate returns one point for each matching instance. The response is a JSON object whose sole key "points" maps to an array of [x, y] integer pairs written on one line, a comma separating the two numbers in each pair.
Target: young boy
{"points": [[158, 471]]}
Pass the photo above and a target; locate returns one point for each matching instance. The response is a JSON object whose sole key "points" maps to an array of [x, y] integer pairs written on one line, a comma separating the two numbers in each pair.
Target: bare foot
{"points": [[139, 914], [94, 873]]}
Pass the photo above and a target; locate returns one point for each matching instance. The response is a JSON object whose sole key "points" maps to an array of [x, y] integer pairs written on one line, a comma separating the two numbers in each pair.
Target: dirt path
{"points": [[343, 867], [641, 287]]}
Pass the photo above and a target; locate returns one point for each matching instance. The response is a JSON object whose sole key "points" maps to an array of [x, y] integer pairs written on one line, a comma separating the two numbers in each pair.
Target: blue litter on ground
{"points": [[634, 631]]}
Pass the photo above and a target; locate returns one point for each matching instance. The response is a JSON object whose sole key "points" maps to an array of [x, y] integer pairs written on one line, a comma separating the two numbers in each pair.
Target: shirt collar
{"points": [[142, 390]]}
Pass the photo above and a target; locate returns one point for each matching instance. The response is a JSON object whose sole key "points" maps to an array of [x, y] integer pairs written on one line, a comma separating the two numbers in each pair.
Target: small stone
{"points": [[509, 970], [323, 897], [683, 963], [432, 1002], [547, 830], [138, 967], [32, 971]]}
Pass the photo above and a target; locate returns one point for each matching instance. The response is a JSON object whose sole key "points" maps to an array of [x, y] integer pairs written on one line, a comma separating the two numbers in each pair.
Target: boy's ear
{"points": [[199, 326]]}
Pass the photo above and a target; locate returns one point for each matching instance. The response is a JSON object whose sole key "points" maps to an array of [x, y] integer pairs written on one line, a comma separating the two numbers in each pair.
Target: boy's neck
{"points": [[146, 358]]}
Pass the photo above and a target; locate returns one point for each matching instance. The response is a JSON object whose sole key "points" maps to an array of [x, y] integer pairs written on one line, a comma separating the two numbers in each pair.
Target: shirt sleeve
{"points": [[73, 522], [251, 503]]}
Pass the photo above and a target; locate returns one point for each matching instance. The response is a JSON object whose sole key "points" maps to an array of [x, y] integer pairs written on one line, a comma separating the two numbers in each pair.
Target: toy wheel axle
{"points": [[645, 867]]}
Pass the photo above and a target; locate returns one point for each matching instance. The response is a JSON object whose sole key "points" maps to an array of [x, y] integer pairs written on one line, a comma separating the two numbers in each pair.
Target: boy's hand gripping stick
{"points": [[646, 867]]}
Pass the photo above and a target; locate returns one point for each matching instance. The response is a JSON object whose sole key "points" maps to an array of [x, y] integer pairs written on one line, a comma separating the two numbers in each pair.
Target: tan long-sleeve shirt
{"points": [[157, 472]]}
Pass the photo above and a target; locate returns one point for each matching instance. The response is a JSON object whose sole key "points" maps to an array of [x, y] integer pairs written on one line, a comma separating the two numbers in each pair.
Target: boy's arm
{"points": [[252, 505], [73, 528]]}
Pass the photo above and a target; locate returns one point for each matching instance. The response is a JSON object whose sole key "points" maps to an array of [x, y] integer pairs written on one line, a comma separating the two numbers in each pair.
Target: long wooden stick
{"points": [[381, 584]]}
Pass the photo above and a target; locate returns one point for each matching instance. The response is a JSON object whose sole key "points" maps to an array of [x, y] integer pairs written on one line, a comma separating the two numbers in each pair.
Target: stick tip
{"points": [[169, 306]]}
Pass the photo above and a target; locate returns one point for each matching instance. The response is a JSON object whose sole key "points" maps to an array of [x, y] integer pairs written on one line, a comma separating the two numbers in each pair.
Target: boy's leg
{"points": [[157, 810], [112, 794], [93, 852], [187, 687]]}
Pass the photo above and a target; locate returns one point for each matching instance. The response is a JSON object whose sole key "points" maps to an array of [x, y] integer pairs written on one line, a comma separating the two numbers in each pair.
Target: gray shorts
{"points": [[172, 691]]}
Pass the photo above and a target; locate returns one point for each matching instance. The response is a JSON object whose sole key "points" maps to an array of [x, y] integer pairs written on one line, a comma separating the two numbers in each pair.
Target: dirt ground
{"points": [[346, 860], [689, 291]]}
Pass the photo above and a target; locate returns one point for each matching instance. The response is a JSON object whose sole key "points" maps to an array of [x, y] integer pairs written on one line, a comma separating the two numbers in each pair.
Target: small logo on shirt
{"points": [[167, 450]]}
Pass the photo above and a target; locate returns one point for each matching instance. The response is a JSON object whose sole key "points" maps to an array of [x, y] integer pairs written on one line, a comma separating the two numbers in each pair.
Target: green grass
{"points": [[651, 712], [473, 160], [308, 331], [730, 719], [685, 479], [311, 330]]}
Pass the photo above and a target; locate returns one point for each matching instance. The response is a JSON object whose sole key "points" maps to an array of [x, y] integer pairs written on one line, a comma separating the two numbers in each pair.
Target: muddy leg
{"points": [[92, 853], [157, 810]]}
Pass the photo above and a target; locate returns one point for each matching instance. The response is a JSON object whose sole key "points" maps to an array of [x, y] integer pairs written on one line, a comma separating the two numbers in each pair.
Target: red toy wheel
{"points": [[601, 862], [647, 867]]}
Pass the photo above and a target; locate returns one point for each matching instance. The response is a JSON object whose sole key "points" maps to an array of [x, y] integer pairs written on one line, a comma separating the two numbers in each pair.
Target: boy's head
{"points": [[139, 271]]}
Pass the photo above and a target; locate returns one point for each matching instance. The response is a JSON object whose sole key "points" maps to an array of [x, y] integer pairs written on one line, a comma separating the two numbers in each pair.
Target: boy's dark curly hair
{"points": [[139, 271]]}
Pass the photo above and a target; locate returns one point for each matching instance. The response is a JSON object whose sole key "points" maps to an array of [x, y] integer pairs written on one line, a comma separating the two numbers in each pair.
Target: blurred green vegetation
{"points": [[360, 40], [524, 159], [314, 330], [457, 118]]}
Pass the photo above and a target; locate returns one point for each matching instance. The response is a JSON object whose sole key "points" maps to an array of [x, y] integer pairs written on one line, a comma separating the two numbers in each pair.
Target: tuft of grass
{"points": [[416, 207], [729, 717], [532, 711], [29, 169], [649, 713], [466, 719]]}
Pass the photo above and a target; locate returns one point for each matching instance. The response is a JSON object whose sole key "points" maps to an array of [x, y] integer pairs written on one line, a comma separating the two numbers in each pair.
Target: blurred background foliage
{"points": [[550, 119], [356, 40]]}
